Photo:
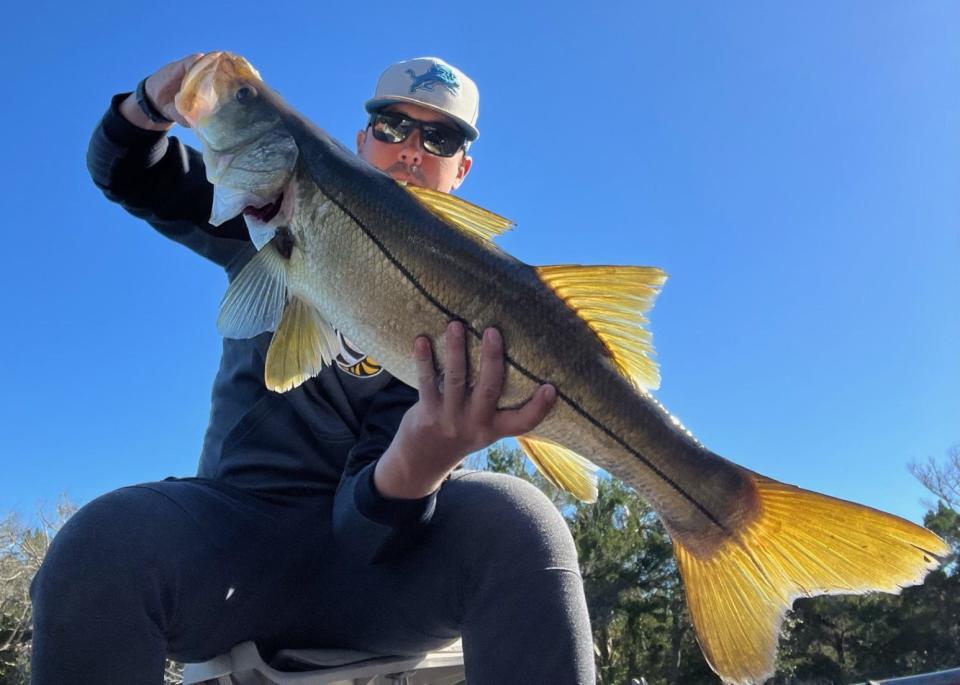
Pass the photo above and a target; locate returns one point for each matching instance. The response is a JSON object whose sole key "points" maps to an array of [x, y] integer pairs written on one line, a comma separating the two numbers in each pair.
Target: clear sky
{"points": [[794, 167]]}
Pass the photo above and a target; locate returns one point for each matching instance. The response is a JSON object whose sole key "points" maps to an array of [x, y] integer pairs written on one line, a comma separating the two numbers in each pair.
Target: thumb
{"points": [[170, 85]]}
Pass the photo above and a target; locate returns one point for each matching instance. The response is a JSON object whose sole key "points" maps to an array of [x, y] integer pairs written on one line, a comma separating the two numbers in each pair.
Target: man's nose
{"points": [[412, 151]]}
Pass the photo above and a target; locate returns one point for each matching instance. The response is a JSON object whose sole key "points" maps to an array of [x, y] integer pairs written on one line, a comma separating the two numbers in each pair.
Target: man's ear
{"points": [[361, 139], [466, 162]]}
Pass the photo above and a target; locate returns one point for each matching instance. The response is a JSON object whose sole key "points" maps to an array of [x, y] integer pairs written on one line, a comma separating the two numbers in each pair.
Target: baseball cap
{"points": [[432, 83]]}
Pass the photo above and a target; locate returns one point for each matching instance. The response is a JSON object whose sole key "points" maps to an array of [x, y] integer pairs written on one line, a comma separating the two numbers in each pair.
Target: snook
{"points": [[345, 246]]}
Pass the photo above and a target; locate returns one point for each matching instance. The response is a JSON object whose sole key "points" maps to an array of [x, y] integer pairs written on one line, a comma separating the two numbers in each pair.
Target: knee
{"points": [[508, 518], [103, 547]]}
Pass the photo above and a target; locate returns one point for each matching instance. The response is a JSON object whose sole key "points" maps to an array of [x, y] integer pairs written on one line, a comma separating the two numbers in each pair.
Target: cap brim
{"points": [[376, 104]]}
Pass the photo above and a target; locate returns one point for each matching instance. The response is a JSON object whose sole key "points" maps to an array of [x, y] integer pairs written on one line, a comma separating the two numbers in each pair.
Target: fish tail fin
{"points": [[800, 544]]}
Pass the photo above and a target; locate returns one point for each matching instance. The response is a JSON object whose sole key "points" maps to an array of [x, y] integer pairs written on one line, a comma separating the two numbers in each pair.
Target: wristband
{"points": [[147, 107]]}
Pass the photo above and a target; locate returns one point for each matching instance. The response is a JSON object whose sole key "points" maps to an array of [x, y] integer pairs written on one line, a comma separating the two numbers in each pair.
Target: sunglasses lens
{"points": [[440, 140], [390, 129]]}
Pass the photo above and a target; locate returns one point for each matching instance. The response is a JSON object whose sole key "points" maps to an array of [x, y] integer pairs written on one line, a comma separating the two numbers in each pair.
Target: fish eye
{"points": [[245, 93]]}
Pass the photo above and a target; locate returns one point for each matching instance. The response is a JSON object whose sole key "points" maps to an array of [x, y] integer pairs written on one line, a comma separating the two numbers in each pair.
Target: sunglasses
{"points": [[437, 139]]}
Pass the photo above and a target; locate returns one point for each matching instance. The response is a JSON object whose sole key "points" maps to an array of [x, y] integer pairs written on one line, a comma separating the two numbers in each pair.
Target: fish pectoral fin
{"points": [[303, 344], [565, 469], [475, 221], [254, 300], [800, 544], [613, 302]]}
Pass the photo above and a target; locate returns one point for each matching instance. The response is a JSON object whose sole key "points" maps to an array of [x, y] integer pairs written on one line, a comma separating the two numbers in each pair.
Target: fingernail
{"points": [[492, 335], [549, 393]]}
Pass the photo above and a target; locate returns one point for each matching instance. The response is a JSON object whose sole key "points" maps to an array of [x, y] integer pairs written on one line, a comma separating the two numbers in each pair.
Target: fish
{"points": [[344, 249]]}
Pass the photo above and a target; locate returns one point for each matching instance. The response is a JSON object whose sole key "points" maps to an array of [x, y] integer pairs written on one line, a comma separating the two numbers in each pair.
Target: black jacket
{"points": [[321, 438]]}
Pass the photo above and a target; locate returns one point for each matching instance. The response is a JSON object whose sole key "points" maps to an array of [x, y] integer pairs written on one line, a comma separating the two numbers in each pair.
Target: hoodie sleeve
{"points": [[371, 526], [162, 181]]}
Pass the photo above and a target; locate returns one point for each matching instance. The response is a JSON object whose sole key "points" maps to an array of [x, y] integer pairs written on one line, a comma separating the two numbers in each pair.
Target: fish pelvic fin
{"points": [[613, 302], [254, 301], [800, 544], [477, 222], [565, 469], [303, 344]]}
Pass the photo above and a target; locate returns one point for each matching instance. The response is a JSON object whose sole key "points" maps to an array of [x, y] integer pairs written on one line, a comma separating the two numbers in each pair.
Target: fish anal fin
{"points": [[303, 344], [475, 221], [613, 301], [563, 468], [801, 544]]}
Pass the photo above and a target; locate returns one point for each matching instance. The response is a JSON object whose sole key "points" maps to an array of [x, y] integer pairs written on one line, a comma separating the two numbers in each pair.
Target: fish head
{"points": [[249, 155], [219, 99]]}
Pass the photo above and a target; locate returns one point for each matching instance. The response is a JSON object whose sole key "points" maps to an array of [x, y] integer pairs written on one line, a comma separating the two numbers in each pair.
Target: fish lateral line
{"points": [[625, 445], [530, 375]]}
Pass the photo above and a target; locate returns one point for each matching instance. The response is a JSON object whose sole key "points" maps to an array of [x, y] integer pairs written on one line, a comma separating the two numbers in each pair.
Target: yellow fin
{"points": [[801, 544], [613, 300], [565, 469], [303, 344], [475, 221]]}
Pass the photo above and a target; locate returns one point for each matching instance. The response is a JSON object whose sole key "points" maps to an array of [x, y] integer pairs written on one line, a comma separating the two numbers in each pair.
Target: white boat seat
{"points": [[243, 665]]}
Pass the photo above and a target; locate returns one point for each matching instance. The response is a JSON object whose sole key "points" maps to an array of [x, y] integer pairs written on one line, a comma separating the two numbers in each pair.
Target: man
{"points": [[328, 515]]}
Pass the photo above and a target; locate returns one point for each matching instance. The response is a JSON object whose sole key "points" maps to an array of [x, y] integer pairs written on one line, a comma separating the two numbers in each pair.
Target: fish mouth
{"points": [[211, 81], [265, 213]]}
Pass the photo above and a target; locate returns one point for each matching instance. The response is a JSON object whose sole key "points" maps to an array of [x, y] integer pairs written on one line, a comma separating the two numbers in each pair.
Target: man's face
{"points": [[408, 161]]}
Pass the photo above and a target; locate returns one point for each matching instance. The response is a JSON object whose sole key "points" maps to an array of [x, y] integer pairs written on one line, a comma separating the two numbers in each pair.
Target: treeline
{"points": [[641, 627], [640, 623]]}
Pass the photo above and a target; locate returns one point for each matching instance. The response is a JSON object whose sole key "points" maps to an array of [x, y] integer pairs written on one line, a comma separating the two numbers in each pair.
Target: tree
{"points": [[942, 480], [22, 551]]}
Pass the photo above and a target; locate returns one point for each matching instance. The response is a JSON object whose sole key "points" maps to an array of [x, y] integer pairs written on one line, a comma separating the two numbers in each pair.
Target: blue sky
{"points": [[794, 167]]}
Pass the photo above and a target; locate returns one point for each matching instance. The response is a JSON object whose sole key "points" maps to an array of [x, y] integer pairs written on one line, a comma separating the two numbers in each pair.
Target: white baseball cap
{"points": [[432, 83]]}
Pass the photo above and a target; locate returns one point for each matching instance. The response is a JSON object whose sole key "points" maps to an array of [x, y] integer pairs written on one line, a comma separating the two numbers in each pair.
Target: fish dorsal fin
{"points": [[303, 344], [254, 301], [475, 221], [565, 469], [613, 301]]}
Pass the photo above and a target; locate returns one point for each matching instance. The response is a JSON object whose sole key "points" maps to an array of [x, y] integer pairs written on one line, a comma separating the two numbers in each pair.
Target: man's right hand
{"points": [[161, 86], [446, 425]]}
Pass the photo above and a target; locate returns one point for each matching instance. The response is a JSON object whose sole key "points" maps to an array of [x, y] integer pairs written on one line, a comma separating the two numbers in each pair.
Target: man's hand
{"points": [[162, 87], [448, 424]]}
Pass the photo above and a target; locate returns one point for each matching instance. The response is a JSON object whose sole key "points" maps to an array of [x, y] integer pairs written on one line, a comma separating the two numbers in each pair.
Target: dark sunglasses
{"points": [[437, 139]]}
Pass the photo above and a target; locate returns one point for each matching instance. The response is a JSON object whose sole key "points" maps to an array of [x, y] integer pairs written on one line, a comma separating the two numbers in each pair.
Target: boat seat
{"points": [[243, 665]]}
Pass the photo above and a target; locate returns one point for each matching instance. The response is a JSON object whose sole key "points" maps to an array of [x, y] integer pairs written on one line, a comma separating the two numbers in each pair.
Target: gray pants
{"points": [[188, 568]]}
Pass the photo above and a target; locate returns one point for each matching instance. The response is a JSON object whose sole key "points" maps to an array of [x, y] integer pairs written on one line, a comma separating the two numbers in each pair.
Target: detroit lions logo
{"points": [[435, 76]]}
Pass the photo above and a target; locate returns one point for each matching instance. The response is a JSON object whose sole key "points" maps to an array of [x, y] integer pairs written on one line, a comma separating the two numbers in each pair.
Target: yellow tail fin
{"points": [[801, 544]]}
